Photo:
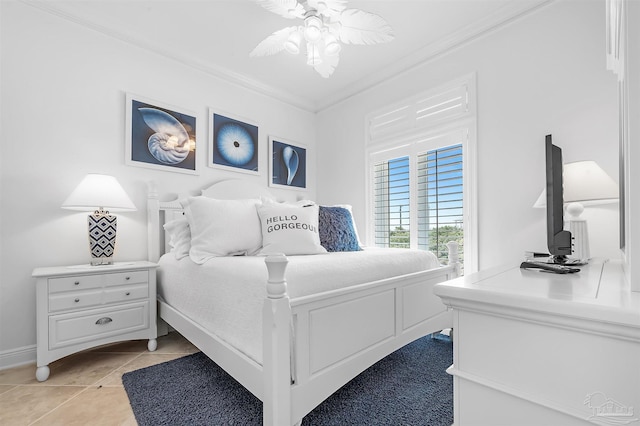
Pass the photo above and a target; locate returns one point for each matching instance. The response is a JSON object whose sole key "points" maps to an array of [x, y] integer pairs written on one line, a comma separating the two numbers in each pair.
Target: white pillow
{"points": [[289, 229], [222, 227], [179, 237]]}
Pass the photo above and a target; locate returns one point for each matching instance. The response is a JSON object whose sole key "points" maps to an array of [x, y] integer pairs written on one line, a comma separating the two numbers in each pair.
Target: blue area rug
{"points": [[408, 387]]}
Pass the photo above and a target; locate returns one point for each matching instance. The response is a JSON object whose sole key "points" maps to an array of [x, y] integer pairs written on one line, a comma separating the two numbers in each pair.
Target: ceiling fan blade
{"points": [[274, 43], [327, 66], [329, 8], [360, 27], [286, 8]]}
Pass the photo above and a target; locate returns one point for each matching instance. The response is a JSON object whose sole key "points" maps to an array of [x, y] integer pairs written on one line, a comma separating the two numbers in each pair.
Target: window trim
{"points": [[412, 139]]}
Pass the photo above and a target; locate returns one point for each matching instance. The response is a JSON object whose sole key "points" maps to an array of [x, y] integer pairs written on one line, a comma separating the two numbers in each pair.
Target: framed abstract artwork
{"points": [[233, 143], [288, 164], [159, 136]]}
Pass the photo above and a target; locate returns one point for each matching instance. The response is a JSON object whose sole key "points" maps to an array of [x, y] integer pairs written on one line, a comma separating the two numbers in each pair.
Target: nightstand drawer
{"points": [[84, 306], [71, 329], [122, 278], [80, 282], [126, 293], [75, 300]]}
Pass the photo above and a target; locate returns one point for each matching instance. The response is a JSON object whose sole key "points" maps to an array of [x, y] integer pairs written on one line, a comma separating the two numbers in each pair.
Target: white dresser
{"points": [[79, 307], [537, 348]]}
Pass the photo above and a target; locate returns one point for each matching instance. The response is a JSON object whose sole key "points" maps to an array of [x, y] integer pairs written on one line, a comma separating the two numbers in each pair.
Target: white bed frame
{"points": [[312, 345]]}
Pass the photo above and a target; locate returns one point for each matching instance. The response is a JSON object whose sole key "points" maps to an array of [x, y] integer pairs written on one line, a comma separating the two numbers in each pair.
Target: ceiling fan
{"points": [[326, 23]]}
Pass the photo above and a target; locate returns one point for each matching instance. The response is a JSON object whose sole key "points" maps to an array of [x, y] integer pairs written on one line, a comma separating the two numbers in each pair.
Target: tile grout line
{"points": [[84, 388], [80, 389]]}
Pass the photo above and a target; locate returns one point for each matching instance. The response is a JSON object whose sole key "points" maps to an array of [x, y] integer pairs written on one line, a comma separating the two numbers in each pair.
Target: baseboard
{"points": [[16, 357]]}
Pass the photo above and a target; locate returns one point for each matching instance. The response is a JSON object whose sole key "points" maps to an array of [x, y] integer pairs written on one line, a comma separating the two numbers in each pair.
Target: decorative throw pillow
{"points": [[289, 229], [353, 222], [222, 227], [336, 229], [179, 237]]}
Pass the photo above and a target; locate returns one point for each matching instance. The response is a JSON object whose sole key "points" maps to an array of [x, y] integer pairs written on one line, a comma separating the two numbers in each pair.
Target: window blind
{"points": [[423, 110], [417, 194], [440, 199], [392, 211]]}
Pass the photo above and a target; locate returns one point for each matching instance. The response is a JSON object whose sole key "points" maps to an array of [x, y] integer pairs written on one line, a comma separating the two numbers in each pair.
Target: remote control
{"points": [[551, 267]]}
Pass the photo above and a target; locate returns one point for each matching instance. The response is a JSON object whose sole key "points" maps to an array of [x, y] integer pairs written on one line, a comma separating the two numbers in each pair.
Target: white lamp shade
{"points": [[587, 183], [312, 28], [331, 45], [292, 45], [584, 182], [96, 192]]}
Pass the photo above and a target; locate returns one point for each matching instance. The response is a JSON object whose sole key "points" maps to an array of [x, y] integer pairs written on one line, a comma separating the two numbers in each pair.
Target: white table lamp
{"points": [[585, 184], [100, 194]]}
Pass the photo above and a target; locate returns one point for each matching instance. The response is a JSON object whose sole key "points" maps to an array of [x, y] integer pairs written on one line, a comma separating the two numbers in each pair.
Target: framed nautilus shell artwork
{"points": [[159, 136], [233, 143], [288, 164]]}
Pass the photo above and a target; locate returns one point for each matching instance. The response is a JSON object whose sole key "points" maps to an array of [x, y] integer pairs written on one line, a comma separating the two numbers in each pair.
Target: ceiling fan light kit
{"points": [[312, 27], [326, 24], [331, 45], [313, 55], [292, 45]]}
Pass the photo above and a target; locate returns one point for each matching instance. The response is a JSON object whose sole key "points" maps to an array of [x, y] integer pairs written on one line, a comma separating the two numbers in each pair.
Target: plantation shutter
{"points": [[417, 194], [423, 110], [391, 203], [440, 199]]}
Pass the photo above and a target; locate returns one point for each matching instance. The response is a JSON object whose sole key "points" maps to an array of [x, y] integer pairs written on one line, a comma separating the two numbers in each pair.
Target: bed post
{"points": [[454, 257], [153, 222], [276, 343]]}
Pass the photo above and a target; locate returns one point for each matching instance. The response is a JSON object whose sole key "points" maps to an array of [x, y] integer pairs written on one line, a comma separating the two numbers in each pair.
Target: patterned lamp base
{"points": [[102, 237]]}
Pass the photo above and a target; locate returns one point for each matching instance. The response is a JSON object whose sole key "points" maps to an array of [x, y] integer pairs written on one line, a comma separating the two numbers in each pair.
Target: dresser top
{"points": [[598, 292], [54, 271]]}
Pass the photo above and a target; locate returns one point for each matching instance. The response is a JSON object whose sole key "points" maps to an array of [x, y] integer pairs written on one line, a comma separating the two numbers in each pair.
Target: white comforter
{"points": [[225, 295]]}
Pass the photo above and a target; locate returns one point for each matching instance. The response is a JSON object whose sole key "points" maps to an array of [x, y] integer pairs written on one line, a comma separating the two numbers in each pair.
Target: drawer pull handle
{"points": [[128, 294], [76, 283], [77, 300], [103, 321], [127, 278]]}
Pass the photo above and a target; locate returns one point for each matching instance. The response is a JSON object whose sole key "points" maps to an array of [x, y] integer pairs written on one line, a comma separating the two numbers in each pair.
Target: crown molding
{"points": [[219, 72], [506, 15], [512, 11]]}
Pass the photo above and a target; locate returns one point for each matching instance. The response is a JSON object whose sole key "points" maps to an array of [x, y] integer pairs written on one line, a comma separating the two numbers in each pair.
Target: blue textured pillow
{"points": [[336, 229]]}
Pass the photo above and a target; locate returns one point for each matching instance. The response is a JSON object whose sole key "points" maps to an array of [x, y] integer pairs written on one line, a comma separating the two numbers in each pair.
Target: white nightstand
{"points": [[79, 307]]}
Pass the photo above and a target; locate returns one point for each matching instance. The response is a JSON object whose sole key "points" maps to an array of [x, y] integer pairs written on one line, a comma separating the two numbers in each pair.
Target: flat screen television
{"points": [[558, 239]]}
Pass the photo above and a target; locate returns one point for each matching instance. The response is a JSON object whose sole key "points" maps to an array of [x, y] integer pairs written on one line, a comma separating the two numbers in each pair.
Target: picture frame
{"points": [[287, 164], [160, 136], [234, 143]]}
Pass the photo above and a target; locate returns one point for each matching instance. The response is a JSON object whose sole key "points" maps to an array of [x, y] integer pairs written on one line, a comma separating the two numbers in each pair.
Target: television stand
{"points": [[545, 349], [564, 260]]}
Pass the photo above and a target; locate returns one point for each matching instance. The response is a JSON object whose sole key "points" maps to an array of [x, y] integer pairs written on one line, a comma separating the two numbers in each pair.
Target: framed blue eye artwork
{"points": [[288, 164], [233, 143], [159, 136]]}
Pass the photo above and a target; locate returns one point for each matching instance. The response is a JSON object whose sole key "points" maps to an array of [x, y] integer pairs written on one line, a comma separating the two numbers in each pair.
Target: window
{"points": [[440, 200], [391, 203], [421, 186]]}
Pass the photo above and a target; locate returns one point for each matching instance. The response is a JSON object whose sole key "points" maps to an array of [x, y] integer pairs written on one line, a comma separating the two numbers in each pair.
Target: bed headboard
{"points": [[161, 212]]}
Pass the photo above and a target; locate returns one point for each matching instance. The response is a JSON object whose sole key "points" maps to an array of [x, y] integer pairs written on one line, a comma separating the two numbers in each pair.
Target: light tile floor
{"points": [[84, 388]]}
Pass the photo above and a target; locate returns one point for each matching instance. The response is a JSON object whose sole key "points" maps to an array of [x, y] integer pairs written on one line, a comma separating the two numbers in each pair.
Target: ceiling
{"points": [[216, 36]]}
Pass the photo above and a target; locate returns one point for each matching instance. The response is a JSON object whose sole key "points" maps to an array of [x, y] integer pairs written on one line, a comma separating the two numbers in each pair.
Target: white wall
{"points": [[544, 73], [63, 115], [63, 97]]}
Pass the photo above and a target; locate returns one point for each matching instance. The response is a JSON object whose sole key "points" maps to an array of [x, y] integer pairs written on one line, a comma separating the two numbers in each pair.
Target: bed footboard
{"points": [[336, 335]]}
